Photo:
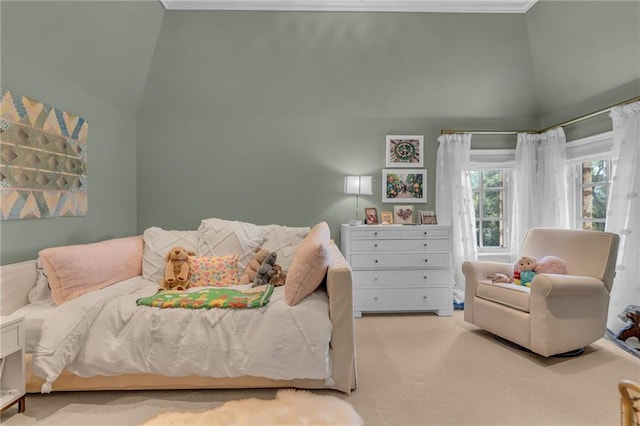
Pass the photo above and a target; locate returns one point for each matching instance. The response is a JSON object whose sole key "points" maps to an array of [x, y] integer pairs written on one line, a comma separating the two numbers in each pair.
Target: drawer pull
{"points": [[375, 246], [375, 297], [425, 232], [425, 244], [425, 277], [375, 261], [424, 297], [375, 277], [375, 233], [426, 260]]}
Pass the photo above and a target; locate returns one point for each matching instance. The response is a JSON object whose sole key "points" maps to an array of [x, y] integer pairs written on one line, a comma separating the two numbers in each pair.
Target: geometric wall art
{"points": [[43, 160]]}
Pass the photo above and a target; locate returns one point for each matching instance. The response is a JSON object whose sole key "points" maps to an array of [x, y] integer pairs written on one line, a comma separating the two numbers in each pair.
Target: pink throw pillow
{"points": [[79, 269], [309, 265], [207, 271]]}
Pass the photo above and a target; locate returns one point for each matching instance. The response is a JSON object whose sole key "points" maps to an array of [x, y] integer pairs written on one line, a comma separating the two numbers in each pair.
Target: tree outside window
{"points": [[489, 200]]}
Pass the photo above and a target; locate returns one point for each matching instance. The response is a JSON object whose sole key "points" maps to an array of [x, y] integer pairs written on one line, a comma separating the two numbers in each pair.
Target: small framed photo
{"points": [[403, 214], [387, 218], [428, 217], [371, 216], [405, 151], [404, 186]]}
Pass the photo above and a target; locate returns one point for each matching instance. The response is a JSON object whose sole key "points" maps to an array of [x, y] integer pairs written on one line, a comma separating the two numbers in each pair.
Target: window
{"points": [[490, 201], [592, 192]]}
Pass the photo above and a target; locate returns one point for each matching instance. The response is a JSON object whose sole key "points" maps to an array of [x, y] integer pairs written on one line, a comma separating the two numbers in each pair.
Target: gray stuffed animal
{"points": [[266, 270]]}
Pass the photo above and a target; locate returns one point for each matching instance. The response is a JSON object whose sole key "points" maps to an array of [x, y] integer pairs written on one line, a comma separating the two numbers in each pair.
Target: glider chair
{"points": [[558, 314]]}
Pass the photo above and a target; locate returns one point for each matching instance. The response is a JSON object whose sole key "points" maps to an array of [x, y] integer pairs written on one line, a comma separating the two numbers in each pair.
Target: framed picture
{"points": [[403, 214], [387, 218], [371, 216], [405, 151], [428, 218], [404, 186]]}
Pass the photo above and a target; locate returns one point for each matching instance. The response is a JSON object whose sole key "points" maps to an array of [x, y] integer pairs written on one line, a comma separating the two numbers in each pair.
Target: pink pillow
{"points": [[206, 271], [309, 265], [79, 269]]}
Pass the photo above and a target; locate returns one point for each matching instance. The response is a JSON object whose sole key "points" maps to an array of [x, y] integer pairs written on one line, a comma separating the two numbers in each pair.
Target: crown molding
{"points": [[435, 6]]}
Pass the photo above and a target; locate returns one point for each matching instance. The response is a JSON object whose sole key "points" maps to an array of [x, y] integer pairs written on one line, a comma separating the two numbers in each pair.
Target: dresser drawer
{"points": [[408, 232], [399, 260], [10, 340], [421, 245], [401, 299], [408, 278]]}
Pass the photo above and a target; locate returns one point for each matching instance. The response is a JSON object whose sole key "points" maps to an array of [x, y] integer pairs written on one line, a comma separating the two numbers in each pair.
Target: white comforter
{"points": [[105, 333]]}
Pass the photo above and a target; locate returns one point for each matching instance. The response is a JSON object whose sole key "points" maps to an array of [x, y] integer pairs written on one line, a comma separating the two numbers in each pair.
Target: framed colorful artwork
{"points": [[405, 151], [403, 214], [404, 186]]}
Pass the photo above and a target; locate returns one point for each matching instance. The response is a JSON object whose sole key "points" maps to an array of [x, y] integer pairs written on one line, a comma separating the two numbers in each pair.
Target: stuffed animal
{"points": [[499, 278], [249, 273], [265, 271], [529, 267], [176, 271], [278, 277]]}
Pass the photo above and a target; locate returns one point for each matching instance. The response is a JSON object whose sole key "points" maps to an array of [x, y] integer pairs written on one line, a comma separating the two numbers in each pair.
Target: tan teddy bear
{"points": [[250, 271], [176, 271], [279, 277]]}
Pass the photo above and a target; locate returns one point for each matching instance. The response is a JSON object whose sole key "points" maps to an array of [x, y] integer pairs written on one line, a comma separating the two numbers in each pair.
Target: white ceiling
{"points": [[446, 6]]}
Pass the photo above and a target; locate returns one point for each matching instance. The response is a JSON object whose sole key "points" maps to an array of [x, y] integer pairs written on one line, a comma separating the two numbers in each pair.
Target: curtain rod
{"points": [[564, 123]]}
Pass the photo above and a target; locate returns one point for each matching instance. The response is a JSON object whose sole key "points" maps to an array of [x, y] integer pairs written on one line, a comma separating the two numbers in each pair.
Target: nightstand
{"points": [[12, 380], [399, 268]]}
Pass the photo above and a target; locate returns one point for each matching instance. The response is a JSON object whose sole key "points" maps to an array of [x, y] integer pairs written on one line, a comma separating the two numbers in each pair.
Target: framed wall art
{"points": [[404, 151], [404, 186], [403, 214]]}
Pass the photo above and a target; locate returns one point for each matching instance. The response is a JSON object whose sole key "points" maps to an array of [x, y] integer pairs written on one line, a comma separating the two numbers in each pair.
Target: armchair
{"points": [[558, 313]]}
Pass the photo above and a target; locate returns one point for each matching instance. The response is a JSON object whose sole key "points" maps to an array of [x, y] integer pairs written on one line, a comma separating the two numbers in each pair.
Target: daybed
{"points": [[95, 337]]}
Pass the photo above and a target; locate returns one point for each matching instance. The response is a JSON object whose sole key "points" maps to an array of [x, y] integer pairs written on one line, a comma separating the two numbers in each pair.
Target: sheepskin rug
{"points": [[291, 407]]}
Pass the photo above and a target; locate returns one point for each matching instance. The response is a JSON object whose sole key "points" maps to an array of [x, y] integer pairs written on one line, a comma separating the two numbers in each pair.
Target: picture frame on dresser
{"points": [[404, 186], [387, 217], [371, 216], [404, 151], [403, 214]]}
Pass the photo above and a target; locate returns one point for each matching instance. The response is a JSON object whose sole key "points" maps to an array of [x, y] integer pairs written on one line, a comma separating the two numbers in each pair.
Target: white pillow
{"points": [[222, 237], [41, 293], [157, 243], [284, 240]]}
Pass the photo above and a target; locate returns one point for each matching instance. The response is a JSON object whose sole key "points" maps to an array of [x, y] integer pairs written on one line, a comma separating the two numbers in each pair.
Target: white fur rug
{"points": [[290, 407]]}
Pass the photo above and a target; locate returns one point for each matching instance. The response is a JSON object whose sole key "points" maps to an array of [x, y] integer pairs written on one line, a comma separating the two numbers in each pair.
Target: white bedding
{"points": [[105, 333]]}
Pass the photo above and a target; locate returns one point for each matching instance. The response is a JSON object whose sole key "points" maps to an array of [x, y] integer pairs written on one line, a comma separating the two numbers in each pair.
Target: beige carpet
{"points": [[412, 370]]}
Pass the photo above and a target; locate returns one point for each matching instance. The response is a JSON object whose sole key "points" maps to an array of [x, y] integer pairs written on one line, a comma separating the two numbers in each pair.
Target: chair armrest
{"points": [[566, 285], [339, 289]]}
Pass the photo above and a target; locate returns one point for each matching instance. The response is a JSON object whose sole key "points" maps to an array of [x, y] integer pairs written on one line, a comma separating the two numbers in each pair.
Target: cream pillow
{"points": [[284, 241], [309, 265], [222, 237], [79, 269], [157, 243]]}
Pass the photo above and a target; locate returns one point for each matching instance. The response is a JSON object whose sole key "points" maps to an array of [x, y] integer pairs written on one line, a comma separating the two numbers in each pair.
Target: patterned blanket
{"points": [[210, 297]]}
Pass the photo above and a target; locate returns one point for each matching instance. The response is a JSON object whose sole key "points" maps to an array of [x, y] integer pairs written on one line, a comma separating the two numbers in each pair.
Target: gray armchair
{"points": [[558, 313]]}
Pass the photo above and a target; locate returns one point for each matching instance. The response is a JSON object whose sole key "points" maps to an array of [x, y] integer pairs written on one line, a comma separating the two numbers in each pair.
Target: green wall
{"points": [[258, 116]]}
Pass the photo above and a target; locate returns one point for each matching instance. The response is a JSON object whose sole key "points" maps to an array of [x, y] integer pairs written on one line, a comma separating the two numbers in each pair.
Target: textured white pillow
{"points": [[41, 293], [158, 242], [284, 240], [222, 237]]}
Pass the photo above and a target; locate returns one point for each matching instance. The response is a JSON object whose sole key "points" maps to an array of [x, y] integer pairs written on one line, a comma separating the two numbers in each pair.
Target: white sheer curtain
{"points": [[540, 184], [454, 202], [623, 213]]}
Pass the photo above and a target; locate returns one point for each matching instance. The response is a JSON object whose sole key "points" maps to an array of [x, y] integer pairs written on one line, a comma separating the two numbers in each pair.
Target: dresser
{"points": [[399, 268], [12, 380]]}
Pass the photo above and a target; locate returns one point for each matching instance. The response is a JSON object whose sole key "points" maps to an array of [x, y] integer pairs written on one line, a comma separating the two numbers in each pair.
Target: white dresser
{"points": [[12, 380], [399, 268]]}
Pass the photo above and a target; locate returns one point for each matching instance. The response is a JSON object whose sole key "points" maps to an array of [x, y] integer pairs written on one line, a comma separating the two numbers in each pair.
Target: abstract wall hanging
{"points": [[43, 160]]}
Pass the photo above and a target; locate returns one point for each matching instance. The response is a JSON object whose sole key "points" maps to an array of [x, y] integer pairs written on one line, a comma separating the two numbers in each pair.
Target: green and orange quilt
{"points": [[210, 297]]}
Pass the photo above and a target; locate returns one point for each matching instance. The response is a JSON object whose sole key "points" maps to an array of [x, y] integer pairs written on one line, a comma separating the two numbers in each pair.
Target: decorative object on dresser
{"points": [[12, 380], [404, 186], [387, 218], [400, 268], [371, 216], [404, 151], [358, 185], [428, 217], [403, 215]]}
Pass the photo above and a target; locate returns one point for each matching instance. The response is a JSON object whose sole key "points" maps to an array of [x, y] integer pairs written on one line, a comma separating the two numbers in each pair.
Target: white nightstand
{"points": [[12, 381], [399, 268]]}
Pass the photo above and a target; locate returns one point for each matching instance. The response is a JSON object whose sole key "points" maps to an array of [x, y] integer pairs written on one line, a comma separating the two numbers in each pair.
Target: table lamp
{"points": [[358, 185]]}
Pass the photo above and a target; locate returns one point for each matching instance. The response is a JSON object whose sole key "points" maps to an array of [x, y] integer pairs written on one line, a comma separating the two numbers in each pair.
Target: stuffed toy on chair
{"points": [[266, 270], [250, 271], [176, 271], [529, 267]]}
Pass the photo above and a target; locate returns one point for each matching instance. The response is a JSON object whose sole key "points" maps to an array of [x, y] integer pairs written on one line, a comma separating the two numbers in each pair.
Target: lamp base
{"points": [[355, 222]]}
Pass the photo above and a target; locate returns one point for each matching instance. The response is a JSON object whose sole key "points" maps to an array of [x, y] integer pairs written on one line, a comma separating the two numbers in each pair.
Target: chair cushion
{"points": [[512, 295]]}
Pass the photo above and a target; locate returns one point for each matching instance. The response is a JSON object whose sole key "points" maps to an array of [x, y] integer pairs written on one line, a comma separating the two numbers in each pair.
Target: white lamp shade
{"points": [[358, 185]]}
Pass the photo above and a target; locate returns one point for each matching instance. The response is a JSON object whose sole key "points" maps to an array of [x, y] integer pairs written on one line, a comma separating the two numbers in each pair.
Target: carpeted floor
{"points": [[412, 370]]}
